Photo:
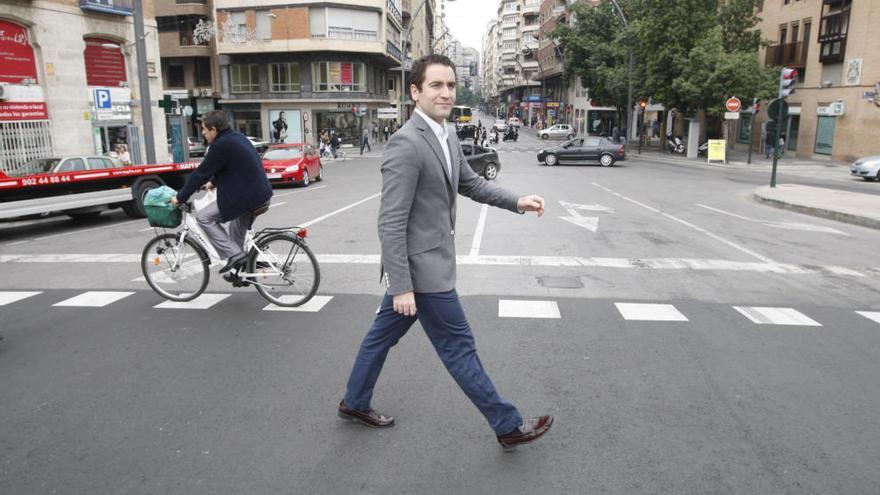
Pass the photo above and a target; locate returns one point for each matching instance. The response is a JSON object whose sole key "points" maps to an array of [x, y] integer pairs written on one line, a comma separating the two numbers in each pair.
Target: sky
{"points": [[467, 20]]}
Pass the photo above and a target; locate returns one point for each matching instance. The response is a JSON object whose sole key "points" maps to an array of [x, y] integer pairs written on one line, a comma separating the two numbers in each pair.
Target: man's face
{"points": [[437, 95], [209, 134]]}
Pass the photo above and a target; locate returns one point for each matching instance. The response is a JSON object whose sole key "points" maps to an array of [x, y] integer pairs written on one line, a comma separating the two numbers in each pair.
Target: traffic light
{"points": [[643, 104], [786, 81]]}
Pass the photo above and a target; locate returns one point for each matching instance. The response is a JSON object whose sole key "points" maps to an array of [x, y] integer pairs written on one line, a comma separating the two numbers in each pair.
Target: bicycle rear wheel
{"points": [[178, 282], [287, 272]]}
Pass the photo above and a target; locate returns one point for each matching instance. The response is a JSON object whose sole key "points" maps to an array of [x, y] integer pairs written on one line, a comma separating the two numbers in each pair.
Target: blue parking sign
{"points": [[102, 99]]}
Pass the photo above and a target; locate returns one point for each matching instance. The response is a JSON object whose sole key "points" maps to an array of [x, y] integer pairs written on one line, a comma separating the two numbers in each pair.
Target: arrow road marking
{"points": [[589, 223], [780, 225]]}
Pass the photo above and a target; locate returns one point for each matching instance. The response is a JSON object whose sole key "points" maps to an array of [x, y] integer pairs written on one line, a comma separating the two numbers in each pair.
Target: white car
{"points": [[867, 168], [564, 131], [514, 121]]}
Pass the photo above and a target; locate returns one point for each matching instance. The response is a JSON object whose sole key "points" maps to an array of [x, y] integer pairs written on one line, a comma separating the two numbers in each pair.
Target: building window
{"points": [[338, 76], [264, 25], [284, 78], [833, 30], [345, 24], [245, 78], [203, 71], [175, 76]]}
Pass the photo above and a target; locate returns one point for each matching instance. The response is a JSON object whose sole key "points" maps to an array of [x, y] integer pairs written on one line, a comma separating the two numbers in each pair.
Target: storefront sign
{"points": [[388, 113], [835, 109], [552, 104], [17, 63], [110, 103], [105, 65], [23, 111]]}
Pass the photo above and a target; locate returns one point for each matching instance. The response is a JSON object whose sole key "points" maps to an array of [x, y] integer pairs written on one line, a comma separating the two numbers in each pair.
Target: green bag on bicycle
{"points": [[160, 212]]}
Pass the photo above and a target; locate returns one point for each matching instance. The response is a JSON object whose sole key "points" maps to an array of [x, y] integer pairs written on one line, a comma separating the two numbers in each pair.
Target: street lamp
{"points": [[407, 38], [629, 94]]}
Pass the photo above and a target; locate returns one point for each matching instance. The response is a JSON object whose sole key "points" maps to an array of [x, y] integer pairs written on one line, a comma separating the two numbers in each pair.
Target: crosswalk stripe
{"points": [[776, 316], [94, 299], [13, 296], [314, 305], [205, 301], [527, 309], [871, 315], [649, 312]]}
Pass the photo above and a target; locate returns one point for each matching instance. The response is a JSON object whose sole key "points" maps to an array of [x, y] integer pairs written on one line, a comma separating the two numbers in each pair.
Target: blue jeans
{"points": [[442, 317]]}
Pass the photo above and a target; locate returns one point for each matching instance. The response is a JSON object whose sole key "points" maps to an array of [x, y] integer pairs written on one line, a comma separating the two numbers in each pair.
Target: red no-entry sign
{"points": [[733, 104]]}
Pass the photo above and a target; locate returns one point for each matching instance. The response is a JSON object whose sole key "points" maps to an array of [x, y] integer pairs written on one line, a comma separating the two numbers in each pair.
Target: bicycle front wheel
{"points": [[286, 271], [176, 271]]}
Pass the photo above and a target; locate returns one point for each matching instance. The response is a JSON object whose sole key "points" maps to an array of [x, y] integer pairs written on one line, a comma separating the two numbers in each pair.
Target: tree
{"points": [[465, 96], [597, 51]]}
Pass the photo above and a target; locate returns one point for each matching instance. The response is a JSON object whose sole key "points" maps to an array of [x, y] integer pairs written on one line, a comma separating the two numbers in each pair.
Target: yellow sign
{"points": [[718, 150]]}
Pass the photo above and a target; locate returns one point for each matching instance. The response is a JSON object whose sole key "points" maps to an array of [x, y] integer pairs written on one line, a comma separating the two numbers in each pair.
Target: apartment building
{"points": [[189, 62], [489, 66], [467, 67], [69, 80], [518, 93], [835, 110], [288, 71]]}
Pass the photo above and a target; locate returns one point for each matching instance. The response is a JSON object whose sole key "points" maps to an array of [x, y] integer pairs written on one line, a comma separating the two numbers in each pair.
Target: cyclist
{"points": [[233, 166]]}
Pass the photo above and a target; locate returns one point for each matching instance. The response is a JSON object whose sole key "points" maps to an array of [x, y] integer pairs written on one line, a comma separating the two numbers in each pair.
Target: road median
{"points": [[842, 206]]}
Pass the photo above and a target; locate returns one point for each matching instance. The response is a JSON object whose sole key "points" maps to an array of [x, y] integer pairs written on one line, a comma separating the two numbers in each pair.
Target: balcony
{"points": [[788, 55], [832, 36], [393, 50], [116, 7], [394, 12]]}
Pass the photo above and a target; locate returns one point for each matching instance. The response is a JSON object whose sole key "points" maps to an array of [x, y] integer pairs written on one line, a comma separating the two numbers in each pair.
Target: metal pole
{"points": [[752, 130], [144, 81], [776, 141]]}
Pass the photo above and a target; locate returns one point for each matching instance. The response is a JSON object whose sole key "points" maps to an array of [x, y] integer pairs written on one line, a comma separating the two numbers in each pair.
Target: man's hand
{"points": [[531, 203], [405, 303], [173, 200], [208, 186]]}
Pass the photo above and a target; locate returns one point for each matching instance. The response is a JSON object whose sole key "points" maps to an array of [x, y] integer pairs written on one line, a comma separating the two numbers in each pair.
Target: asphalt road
{"points": [[699, 391]]}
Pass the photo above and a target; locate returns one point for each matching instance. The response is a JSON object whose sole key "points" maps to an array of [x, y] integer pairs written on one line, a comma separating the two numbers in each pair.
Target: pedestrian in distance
{"points": [[769, 140], [334, 143], [386, 131], [365, 141], [423, 171]]}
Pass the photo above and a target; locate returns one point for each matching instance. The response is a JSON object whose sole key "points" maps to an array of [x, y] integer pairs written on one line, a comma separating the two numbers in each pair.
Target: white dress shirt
{"points": [[442, 133]]}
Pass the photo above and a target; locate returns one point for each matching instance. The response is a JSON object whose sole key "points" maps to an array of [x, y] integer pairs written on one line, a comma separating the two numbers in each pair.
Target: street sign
{"points": [[733, 104], [731, 115], [773, 110], [388, 113]]}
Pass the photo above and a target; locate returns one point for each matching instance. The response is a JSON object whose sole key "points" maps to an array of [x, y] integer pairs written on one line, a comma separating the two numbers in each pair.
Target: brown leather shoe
{"points": [[531, 430], [368, 418]]}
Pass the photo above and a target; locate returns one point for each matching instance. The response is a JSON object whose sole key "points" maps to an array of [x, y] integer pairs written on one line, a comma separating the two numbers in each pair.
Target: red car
{"points": [[293, 164]]}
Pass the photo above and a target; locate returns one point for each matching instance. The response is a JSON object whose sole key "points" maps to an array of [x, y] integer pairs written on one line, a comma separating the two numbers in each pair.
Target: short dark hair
{"points": [[215, 119], [420, 66]]}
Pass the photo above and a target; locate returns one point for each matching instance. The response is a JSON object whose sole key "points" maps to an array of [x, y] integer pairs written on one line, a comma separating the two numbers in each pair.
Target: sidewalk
{"points": [[843, 206]]}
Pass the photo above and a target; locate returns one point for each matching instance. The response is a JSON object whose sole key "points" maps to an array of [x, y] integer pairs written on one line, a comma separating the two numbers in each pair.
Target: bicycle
{"points": [[279, 263]]}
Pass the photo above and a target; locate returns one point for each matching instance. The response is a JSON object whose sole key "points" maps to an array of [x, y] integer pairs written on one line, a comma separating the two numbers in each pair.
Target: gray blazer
{"points": [[417, 211]]}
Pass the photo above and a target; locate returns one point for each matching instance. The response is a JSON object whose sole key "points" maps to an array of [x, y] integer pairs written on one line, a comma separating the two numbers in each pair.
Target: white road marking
{"points": [[692, 226], [314, 305], [94, 299], [490, 260], [14, 296], [508, 308], [273, 205], [871, 315], [649, 312], [53, 236], [781, 225], [478, 234], [299, 191], [589, 223], [324, 217], [776, 316], [205, 301]]}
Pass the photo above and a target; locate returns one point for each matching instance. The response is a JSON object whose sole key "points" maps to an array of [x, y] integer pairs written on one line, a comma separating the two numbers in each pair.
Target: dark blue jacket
{"points": [[234, 166]]}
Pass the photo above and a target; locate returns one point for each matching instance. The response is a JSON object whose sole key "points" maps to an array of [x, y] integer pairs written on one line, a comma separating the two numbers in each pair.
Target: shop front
{"points": [[25, 131], [347, 120], [112, 124]]}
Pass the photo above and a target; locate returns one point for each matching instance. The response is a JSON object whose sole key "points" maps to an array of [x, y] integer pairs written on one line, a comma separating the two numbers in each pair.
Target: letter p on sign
{"points": [[102, 99]]}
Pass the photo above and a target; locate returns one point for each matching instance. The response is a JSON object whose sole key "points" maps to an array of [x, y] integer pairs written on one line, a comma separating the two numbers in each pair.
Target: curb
{"points": [[819, 212]]}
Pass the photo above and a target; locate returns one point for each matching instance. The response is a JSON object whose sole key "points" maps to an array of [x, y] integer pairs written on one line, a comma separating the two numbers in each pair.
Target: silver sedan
{"points": [[563, 131], [867, 168]]}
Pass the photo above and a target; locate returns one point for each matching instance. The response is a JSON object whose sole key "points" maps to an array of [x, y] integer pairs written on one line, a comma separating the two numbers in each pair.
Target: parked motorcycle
{"points": [[675, 145], [703, 148]]}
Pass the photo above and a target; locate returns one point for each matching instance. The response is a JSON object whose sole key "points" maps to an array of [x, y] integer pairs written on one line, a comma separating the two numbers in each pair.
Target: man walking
{"points": [[422, 172], [365, 140]]}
